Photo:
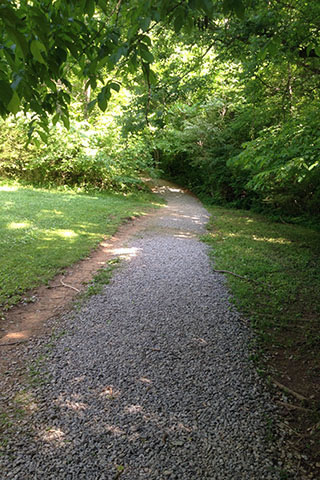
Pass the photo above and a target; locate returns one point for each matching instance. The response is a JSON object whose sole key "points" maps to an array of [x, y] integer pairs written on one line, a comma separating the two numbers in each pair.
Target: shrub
{"points": [[86, 156]]}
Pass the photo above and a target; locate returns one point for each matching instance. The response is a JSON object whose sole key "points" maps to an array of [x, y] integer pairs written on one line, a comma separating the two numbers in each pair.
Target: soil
{"points": [[299, 371]]}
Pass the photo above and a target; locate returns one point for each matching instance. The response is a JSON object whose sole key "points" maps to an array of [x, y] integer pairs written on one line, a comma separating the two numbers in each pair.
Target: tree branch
{"points": [[240, 276]]}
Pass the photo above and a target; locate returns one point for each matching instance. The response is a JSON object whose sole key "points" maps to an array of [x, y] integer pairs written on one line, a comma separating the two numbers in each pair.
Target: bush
{"points": [[85, 156], [283, 166]]}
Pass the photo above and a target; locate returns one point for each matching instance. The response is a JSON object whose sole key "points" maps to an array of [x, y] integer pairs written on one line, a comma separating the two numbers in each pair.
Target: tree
{"points": [[44, 42]]}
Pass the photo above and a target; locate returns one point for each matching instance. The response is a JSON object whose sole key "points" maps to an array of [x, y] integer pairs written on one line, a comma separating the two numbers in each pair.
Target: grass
{"points": [[101, 278], [282, 264], [43, 231], [281, 298]]}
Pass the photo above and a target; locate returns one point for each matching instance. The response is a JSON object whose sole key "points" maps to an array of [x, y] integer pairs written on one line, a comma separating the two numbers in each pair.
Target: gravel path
{"points": [[151, 379]]}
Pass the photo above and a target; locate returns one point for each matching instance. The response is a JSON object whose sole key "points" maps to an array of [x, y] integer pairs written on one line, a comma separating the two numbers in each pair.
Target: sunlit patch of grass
{"points": [[43, 231]]}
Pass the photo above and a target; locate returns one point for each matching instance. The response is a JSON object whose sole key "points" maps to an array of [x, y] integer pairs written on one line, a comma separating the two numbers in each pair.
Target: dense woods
{"points": [[222, 96]]}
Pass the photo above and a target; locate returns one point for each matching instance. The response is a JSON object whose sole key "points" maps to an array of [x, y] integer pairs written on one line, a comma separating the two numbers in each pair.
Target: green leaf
{"points": [[36, 107], [235, 6], [102, 4], [114, 86], [104, 97], [81, 5], [178, 22], [102, 102], [309, 48], [8, 15], [37, 48], [273, 47], [115, 57], [133, 64], [146, 55], [66, 121], [263, 52], [146, 39], [93, 66], [93, 82], [146, 70], [14, 104], [43, 136], [91, 105], [317, 50], [207, 6], [144, 23], [30, 131], [55, 118], [16, 81], [19, 40], [189, 24], [5, 92], [51, 84], [89, 7], [239, 9], [152, 77]]}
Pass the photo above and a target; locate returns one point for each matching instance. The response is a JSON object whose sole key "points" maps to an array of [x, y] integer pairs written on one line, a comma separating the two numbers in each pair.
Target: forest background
{"points": [[222, 96]]}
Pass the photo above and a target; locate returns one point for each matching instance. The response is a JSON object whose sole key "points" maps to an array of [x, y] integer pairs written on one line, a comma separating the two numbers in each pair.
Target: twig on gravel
{"points": [[314, 427], [300, 435], [12, 343], [240, 276], [293, 407], [117, 475], [165, 437], [69, 286], [288, 390]]}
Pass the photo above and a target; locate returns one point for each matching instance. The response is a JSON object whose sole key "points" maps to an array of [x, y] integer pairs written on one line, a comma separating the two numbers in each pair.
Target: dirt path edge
{"points": [[26, 320]]}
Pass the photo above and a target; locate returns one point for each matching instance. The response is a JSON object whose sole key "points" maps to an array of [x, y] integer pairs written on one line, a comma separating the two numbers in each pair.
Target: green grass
{"points": [[282, 299], [101, 278], [42, 231]]}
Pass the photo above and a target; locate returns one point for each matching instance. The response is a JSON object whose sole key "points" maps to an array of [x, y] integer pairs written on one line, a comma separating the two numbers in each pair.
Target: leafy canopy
{"points": [[45, 43]]}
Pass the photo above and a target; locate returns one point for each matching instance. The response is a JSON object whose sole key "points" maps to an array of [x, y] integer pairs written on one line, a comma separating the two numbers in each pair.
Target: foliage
{"points": [[43, 231], [229, 108], [45, 43], [234, 115], [88, 156], [283, 164], [196, 152]]}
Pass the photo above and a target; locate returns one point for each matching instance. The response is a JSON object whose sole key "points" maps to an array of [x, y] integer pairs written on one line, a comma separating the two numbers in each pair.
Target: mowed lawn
{"points": [[42, 231]]}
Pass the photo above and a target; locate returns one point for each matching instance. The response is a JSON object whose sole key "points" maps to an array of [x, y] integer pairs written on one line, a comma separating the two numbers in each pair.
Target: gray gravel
{"points": [[152, 379]]}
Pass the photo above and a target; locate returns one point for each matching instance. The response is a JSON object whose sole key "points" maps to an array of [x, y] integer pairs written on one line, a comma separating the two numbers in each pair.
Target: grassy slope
{"points": [[282, 301], [42, 231]]}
